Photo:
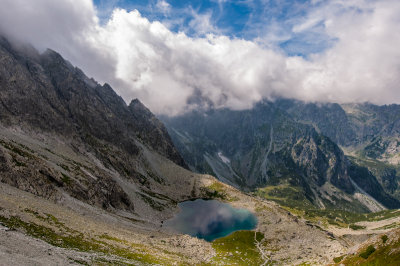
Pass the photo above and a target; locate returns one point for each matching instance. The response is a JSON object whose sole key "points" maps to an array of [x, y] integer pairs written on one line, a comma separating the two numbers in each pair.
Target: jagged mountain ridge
{"points": [[63, 134], [268, 145], [48, 93]]}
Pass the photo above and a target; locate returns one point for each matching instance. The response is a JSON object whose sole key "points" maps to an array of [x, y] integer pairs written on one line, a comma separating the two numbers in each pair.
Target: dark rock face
{"points": [[322, 161], [282, 142], [43, 94]]}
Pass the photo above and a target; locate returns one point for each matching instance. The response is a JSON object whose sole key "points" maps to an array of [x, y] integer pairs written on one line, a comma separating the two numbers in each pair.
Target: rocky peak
{"points": [[51, 94], [137, 106]]}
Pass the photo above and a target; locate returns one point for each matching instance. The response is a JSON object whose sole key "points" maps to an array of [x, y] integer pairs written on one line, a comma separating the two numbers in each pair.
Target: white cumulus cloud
{"points": [[172, 72], [163, 6]]}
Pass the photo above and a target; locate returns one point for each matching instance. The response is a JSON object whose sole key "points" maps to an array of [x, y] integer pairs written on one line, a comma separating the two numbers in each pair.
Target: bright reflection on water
{"points": [[210, 219]]}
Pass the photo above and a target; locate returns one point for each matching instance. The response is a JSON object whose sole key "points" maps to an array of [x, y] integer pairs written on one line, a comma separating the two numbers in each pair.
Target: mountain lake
{"points": [[210, 219]]}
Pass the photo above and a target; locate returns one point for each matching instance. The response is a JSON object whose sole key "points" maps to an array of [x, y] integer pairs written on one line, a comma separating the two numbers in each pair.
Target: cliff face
{"points": [[62, 132]]}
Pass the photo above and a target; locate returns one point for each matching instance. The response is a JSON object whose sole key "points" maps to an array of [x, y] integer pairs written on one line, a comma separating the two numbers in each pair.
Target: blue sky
{"points": [[269, 22]]}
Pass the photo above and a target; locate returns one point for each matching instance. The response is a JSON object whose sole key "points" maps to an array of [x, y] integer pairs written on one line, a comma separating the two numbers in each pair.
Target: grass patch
{"points": [[370, 249], [388, 226], [356, 227], [18, 163], [238, 248], [66, 179], [285, 195], [115, 239], [50, 219], [338, 259], [215, 191], [387, 253]]}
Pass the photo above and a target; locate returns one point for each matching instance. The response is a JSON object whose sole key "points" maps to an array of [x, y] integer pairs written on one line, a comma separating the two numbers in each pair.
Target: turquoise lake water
{"points": [[210, 219]]}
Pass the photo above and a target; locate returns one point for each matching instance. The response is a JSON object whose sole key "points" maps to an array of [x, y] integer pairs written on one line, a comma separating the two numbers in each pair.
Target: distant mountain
{"points": [[284, 144], [369, 134]]}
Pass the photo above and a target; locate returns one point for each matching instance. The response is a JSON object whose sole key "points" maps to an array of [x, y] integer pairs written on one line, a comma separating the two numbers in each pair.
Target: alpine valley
{"points": [[87, 179]]}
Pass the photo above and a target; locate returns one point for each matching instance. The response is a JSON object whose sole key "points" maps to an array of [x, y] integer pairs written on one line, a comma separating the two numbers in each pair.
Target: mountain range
{"points": [[87, 179], [336, 156]]}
